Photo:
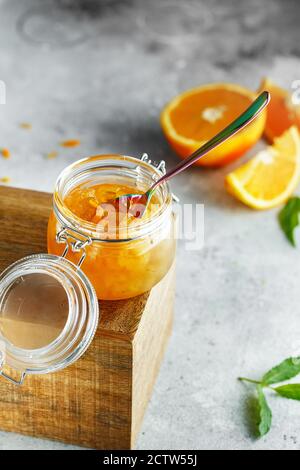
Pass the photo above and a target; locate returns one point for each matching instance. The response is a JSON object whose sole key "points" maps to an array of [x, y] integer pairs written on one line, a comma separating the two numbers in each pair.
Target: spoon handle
{"points": [[239, 123]]}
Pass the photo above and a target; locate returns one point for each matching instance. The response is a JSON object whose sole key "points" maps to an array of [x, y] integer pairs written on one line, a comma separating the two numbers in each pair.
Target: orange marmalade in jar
{"points": [[122, 255]]}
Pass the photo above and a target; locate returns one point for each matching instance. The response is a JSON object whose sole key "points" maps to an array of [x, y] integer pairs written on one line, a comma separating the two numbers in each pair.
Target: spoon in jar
{"points": [[136, 204]]}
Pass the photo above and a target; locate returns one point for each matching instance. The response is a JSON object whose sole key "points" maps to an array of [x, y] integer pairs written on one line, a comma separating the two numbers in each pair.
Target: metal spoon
{"points": [[136, 204]]}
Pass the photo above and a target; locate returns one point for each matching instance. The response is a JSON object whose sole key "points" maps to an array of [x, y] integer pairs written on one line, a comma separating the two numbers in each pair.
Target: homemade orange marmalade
{"points": [[125, 255]]}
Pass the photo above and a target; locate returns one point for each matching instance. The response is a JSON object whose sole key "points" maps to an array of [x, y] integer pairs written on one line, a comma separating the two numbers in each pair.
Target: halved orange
{"points": [[195, 116], [281, 112], [271, 177]]}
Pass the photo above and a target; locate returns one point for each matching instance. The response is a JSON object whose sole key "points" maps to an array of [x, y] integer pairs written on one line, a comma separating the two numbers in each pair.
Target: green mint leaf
{"points": [[264, 412], [289, 218], [284, 371], [291, 391]]}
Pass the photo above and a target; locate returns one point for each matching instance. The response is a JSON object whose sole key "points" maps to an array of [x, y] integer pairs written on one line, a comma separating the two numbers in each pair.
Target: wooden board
{"points": [[100, 400]]}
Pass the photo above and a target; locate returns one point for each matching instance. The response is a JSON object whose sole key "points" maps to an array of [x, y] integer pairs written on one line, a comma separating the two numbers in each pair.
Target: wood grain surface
{"points": [[100, 400]]}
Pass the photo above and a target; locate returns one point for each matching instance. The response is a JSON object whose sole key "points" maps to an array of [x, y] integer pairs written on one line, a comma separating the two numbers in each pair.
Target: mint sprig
{"points": [[286, 370], [289, 218]]}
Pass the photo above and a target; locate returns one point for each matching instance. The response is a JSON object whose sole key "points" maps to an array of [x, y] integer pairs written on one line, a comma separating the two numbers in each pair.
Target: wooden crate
{"points": [[100, 400]]}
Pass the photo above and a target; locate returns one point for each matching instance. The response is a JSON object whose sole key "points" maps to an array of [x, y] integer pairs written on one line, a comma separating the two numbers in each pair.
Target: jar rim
{"points": [[86, 166]]}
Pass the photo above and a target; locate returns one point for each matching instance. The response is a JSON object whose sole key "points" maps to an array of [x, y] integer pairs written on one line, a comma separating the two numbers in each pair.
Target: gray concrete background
{"points": [[101, 71]]}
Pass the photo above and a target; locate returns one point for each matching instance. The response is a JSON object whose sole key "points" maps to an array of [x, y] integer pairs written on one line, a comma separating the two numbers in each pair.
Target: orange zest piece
{"points": [[271, 177], [70, 143], [94, 203], [194, 117], [282, 113], [52, 155], [5, 153], [25, 125], [5, 180]]}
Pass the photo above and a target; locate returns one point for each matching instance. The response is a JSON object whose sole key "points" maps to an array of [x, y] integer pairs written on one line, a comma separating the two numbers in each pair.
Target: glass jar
{"points": [[49, 308], [124, 264]]}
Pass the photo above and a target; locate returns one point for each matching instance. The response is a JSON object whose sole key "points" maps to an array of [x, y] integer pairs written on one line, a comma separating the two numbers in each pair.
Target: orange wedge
{"points": [[281, 112], [194, 117], [271, 177]]}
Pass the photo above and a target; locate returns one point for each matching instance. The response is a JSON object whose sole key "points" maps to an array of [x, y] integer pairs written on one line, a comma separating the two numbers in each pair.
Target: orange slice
{"points": [[195, 116], [281, 112], [271, 177]]}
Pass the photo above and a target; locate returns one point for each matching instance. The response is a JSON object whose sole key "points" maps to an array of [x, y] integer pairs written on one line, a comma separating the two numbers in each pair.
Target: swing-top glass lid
{"points": [[49, 313]]}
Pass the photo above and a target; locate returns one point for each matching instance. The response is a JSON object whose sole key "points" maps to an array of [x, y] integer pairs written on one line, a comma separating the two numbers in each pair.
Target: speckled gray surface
{"points": [[101, 71]]}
